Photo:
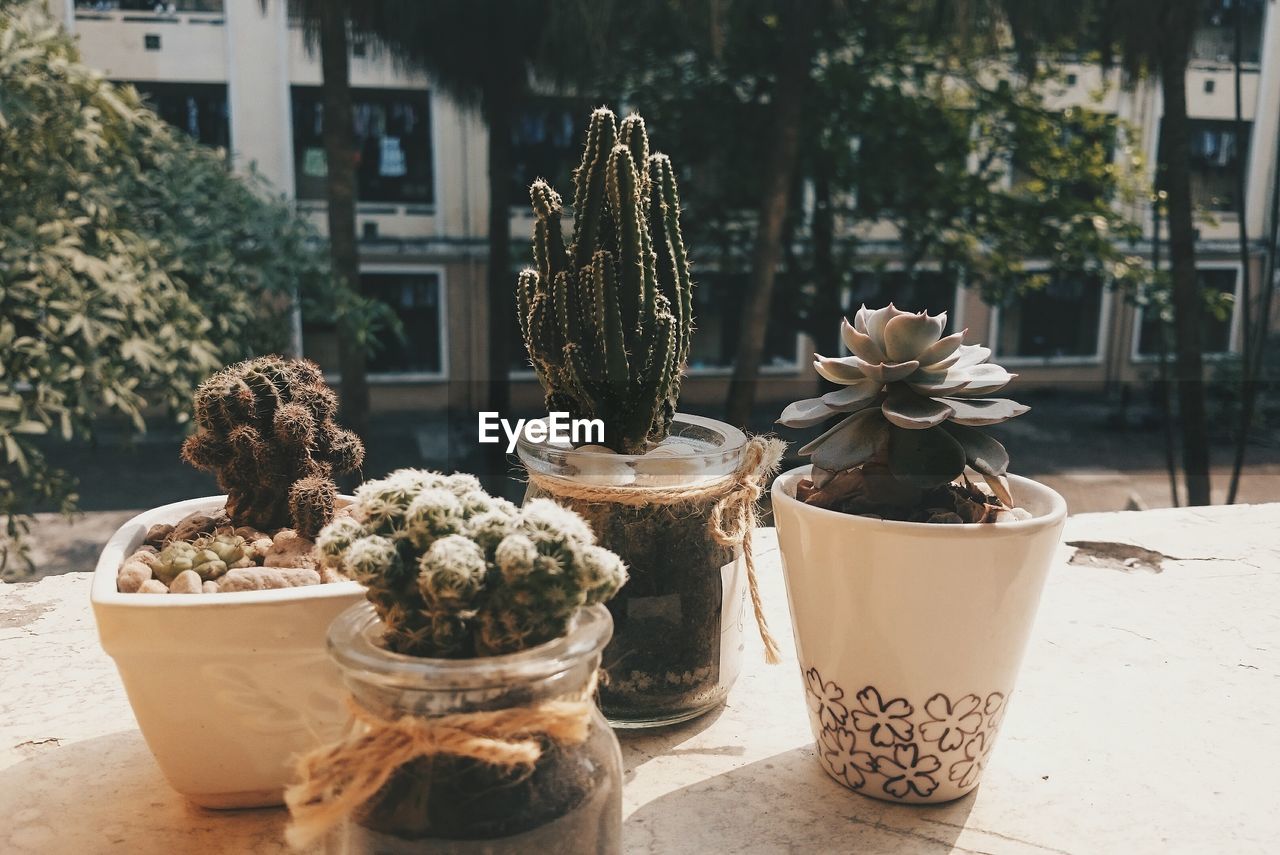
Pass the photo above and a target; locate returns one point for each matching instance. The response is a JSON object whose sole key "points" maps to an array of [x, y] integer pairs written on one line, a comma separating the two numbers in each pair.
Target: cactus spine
{"points": [[607, 319], [267, 432]]}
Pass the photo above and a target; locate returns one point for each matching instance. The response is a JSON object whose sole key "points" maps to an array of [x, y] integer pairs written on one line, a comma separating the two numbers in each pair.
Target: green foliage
{"points": [[132, 261], [454, 572], [607, 319], [909, 398], [900, 131], [267, 432]]}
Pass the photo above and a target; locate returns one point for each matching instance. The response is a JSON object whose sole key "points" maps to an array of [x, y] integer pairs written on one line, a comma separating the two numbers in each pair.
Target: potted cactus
{"points": [[912, 585], [607, 318], [233, 650], [471, 670]]}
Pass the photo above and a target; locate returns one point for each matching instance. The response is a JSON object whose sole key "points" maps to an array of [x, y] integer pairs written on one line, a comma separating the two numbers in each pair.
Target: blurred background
{"points": [[1091, 189]]}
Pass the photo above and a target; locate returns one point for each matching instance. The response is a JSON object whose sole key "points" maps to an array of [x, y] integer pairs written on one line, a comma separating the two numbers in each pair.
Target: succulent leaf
{"points": [[855, 395], [861, 345], [977, 412], [906, 337], [925, 458], [910, 411], [982, 452], [853, 440], [806, 413]]}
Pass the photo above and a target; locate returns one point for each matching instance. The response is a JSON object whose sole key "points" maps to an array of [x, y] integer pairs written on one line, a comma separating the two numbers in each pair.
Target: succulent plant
{"points": [[454, 572], [607, 319], [266, 430], [209, 556], [911, 399]]}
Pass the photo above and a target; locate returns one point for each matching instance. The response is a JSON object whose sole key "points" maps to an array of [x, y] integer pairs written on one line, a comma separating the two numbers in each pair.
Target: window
{"points": [[1216, 154], [911, 291], [1215, 39], [545, 143], [392, 140], [199, 109], [416, 297], [1060, 320], [718, 301], [1215, 332]]}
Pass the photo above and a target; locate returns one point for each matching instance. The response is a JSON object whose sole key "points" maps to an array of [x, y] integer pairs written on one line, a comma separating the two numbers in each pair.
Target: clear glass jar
{"points": [[571, 801], [679, 621]]}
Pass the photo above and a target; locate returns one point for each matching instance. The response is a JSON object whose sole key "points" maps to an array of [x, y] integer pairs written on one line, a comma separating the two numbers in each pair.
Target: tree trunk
{"points": [[798, 19], [1166, 405], [498, 106], [339, 149], [1246, 292], [826, 308], [1188, 305]]}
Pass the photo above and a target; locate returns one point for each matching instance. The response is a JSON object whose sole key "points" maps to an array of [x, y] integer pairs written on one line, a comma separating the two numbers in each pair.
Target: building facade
{"points": [[235, 74]]}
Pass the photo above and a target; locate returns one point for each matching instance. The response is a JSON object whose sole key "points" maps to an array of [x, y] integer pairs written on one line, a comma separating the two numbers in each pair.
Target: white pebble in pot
{"points": [[605, 469], [670, 463], [186, 582]]}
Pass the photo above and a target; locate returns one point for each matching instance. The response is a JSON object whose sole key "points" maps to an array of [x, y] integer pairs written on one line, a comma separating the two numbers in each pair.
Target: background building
{"points": [[235, 75]]}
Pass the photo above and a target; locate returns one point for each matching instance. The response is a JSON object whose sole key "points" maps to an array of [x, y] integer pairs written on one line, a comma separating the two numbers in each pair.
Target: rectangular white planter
{"points": [[227, 688], [910, 636]]}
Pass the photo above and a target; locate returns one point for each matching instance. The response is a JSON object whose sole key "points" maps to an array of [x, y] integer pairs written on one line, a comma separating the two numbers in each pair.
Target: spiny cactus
{"points": [[454, 572], [910, 400], [210, 556], [607, 319], [267, 432]]}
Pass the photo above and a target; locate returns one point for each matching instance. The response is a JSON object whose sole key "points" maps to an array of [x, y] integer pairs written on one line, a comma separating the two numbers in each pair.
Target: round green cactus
{"points": [[210, 557], [454, 572]]}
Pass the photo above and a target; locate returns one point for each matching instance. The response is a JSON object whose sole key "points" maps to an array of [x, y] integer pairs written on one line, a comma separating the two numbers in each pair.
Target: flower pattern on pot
{"points": [[826, 701], [950, 723], [976, 751], [872, 736], [994, 710], [838, 752], [886, 723], [907, 771]]}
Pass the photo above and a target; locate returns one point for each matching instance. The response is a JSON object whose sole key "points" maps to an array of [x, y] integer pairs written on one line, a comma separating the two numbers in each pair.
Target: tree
{"points": [[795, 58], [132, 262], [1143, 37], [487, 53]]}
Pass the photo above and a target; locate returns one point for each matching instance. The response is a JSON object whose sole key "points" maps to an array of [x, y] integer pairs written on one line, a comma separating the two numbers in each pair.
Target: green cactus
{"points": [[210, 557], [607, 319], [453, 572], [267, 432]]}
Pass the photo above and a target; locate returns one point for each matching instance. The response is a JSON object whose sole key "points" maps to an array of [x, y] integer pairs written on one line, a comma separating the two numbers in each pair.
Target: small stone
{"points": [[132, 576], [186, 582], [153, 586], [192, 526], [210, 587], [289, 549], [146, 555], [250, 534], [267, 578], [256, 550], [157, 535]]}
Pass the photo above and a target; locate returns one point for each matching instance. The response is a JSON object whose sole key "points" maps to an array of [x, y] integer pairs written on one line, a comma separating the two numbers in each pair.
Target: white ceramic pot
{"points": [[910, 636], [227, 688]]}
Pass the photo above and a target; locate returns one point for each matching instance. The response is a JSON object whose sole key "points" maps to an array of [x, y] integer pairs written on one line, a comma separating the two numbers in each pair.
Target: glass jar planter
{"points": [[679, 621], [569, 801]]}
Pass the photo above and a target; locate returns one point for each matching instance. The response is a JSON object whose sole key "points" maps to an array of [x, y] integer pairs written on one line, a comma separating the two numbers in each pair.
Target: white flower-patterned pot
{"points": [[910, 636], [227, 688]]}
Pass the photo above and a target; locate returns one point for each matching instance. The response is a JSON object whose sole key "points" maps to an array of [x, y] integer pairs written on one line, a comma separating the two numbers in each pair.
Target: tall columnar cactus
{"points": [[453, 572], [607, 319], [266, 430]]}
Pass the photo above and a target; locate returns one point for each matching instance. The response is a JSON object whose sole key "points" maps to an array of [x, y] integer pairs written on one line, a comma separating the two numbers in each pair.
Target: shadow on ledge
{"points": [[788, 804], [107, 795]]}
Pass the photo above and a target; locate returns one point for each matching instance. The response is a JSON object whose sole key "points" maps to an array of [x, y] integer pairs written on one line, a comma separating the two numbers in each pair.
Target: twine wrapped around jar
{"points": [[732, 518], [336, 779]]}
